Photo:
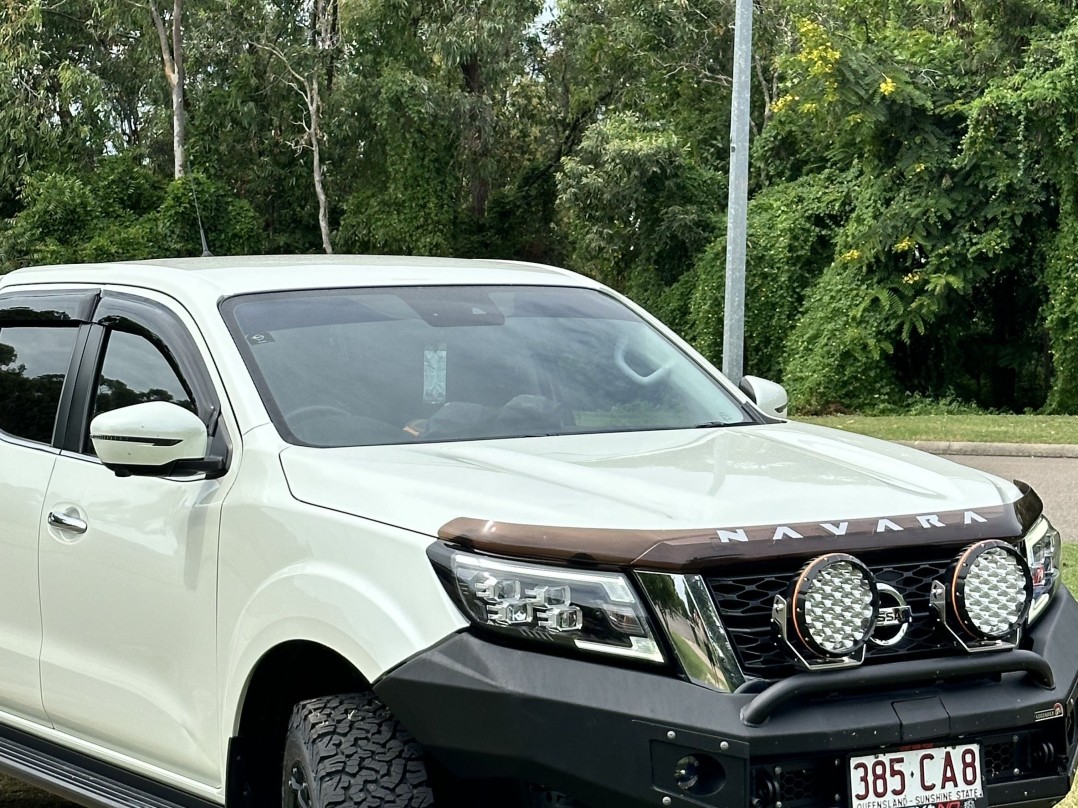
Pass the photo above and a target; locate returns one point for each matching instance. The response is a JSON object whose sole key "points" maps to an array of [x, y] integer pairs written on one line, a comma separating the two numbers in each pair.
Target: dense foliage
{"points": [[913, 227]]}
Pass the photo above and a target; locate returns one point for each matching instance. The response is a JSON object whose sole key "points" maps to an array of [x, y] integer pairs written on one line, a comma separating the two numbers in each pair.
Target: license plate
{"points": [[937, 777]]}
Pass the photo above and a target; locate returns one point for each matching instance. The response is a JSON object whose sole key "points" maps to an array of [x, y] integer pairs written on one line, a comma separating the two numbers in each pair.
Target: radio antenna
{"points": [[201, 231]]}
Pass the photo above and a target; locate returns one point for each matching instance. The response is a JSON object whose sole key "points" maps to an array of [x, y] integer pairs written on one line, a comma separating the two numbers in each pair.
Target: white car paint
{"points": [[129, 614], [25, 470], [290, 571], [124, 436], [665, 480]]}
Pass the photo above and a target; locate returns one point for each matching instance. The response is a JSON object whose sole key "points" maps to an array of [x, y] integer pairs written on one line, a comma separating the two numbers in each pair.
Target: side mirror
{"points": [[771, 398], [150, 439]]}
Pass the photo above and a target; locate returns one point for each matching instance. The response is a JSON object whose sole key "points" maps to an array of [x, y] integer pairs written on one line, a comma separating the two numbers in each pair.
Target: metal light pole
{"points": [[733, 322]]}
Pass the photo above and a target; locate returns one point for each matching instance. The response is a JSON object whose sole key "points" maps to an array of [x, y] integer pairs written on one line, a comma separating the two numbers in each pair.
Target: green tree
{"points": [[635, 205], [1024, 127], [50, 98], [305, 43], [791, 231], [883, 90]]}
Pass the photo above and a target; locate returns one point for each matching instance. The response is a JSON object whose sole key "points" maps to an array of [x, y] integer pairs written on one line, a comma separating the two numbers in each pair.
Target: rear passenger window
{"points": [[33, 363]]}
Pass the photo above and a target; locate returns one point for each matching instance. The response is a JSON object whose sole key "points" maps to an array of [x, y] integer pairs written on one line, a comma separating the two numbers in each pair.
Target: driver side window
{"points": [[135, 371]]}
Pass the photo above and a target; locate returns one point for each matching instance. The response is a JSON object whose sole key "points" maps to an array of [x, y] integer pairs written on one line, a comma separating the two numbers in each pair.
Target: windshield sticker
{"points": [[434, 363], [261, 338]]}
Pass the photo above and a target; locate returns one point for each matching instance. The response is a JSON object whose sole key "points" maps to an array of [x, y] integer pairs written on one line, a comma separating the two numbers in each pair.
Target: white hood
{"points": [[666, 480]]}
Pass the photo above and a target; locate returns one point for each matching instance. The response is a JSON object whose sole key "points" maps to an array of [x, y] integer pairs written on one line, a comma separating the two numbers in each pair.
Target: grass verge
{"points": [[954, 427], [1070, 566]]}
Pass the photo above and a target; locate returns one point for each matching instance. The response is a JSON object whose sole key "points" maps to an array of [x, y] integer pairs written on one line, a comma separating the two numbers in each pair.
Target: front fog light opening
{"points": [[829, 612], [699, 774], [985, 596]]}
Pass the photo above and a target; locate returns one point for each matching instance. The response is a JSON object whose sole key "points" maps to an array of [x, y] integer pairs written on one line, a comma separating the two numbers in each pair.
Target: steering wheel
{"points": [[656, 375]]}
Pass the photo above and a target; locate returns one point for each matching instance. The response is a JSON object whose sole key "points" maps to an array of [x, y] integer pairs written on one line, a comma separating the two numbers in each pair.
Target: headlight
{"points": [[595, 612], [1043, 550]]}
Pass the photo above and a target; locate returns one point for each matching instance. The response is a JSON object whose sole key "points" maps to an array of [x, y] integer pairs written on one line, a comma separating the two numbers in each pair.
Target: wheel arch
{"points": [[285, 674]]}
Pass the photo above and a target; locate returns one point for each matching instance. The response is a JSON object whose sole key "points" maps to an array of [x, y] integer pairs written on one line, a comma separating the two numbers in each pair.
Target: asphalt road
{"points": [[1054, 478]]}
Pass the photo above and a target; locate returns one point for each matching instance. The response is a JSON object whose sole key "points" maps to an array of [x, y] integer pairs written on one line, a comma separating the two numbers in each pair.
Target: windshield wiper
{"points": [[720, 424]]}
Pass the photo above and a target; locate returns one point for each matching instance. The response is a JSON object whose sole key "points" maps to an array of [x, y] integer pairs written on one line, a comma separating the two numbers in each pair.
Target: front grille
{"points": [[744, 598]]}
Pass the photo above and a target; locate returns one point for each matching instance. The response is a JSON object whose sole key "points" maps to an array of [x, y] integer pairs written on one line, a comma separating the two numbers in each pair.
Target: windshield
{"points": [[361, 367]]}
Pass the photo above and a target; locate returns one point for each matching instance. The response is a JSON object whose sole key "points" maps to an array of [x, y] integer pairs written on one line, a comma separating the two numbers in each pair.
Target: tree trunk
{"points": [[179, 117], [172, 60], [323, 39], [476, 141], [314, 103]]}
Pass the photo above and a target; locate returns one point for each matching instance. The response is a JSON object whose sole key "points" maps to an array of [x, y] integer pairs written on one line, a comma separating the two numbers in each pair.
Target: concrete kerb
{"points": [[994, 449]]}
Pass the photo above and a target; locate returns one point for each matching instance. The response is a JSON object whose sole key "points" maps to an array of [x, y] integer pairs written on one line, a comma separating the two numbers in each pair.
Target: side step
{"points": [[83, 780]]}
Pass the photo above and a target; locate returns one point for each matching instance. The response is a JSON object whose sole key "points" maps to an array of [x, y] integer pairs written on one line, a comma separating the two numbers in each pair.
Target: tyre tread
{"points": [[359, 754]]}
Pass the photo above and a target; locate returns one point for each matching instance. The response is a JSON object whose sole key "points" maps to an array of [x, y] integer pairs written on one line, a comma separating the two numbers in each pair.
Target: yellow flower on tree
{"points": [[905, 245], [888, 86], [817, 52], [781, 103]]}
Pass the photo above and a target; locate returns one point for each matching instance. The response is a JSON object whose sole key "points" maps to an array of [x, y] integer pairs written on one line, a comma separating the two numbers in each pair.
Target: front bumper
{"points": [[610, 736]]}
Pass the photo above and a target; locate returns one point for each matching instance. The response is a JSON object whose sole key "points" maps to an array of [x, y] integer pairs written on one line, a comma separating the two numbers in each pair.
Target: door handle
{"points": [[65, 521]]}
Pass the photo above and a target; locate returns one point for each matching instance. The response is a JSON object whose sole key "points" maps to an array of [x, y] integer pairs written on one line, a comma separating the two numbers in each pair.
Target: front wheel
{"points": [[350, 751]]}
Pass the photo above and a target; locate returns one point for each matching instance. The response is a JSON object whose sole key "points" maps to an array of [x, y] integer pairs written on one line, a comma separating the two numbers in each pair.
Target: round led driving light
{"points": [[991, 589], [835, 604]]}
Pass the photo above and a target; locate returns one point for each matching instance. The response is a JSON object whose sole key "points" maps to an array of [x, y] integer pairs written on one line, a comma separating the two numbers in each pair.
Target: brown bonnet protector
{"points": [[709, 547]]}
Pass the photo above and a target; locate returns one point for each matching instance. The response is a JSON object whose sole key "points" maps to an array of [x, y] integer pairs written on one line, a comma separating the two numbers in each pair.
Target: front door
{"points": [[129, 564]]}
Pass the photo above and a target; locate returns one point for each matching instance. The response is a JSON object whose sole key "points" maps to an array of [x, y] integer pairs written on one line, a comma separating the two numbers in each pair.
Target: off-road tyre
{"points": [[349, 750]]}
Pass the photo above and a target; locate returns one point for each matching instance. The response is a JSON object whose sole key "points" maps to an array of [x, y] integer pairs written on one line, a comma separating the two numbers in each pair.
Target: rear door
{"points": [[41, 335], [129, 564]]}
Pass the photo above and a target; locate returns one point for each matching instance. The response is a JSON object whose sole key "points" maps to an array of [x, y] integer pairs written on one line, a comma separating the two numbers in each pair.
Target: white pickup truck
{"points": [[349, 531]]}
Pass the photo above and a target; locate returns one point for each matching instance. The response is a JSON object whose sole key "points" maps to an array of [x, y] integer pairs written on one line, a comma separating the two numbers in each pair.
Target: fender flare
{"points": [[324, 604]]}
